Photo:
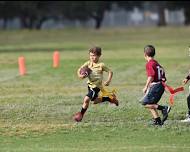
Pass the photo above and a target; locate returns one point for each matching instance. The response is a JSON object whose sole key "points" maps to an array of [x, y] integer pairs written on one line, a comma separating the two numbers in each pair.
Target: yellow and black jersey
{"points": [[96, 76]]}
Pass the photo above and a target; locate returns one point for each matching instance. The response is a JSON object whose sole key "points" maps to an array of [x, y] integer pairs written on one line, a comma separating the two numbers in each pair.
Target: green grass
{"points": [[36, 109]]}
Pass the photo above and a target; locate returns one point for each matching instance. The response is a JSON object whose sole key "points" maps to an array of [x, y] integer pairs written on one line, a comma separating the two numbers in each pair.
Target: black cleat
{"points": [[165, 112]]}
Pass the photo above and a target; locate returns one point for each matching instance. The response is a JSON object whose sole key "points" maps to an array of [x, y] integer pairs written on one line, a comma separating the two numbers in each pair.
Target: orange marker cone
{"points": [[21, 63], [56, 58]]}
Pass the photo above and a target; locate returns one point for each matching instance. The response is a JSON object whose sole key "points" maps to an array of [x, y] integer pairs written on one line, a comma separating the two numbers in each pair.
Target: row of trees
{"points": [[32, 14]]}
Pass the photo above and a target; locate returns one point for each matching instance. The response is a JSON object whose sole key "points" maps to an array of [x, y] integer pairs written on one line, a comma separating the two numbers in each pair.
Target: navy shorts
{"points": [[93, 93], [154, 94]]}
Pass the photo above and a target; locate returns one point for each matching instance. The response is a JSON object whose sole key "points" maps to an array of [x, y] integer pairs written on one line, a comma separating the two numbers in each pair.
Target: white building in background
{"points": [[122, 18], [137, 17], [117, 17], [174, 17]]}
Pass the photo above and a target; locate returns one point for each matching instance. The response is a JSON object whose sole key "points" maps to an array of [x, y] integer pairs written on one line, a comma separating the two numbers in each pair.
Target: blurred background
{"points": [[92, 14]]}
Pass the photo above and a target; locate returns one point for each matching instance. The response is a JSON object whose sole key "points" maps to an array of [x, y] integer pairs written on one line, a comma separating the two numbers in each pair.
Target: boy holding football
{"points": [[154, 88], [95, 84], [187, 119]]}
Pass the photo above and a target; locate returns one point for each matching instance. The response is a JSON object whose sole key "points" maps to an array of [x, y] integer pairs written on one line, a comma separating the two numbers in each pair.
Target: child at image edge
{"points": [[187, 119], [154, 88], [95, 84]]}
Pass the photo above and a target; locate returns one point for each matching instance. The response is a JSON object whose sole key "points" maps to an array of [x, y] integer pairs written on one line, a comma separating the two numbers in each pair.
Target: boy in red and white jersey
{"points": [[154, 88]]}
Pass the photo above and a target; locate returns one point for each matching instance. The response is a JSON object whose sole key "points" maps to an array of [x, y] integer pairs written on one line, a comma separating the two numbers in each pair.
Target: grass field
{"points": [[36, 109]]}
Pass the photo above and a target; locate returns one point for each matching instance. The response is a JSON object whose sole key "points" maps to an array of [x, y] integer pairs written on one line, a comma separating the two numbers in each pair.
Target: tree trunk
{"points": [[40, 22], [98, 19], [24, 23], [32, 20], [187, 16], [98, 23], [162, 20]]}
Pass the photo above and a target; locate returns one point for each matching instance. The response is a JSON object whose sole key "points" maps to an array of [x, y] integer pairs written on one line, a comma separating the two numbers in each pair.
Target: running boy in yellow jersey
{"points": [[95, 84]]}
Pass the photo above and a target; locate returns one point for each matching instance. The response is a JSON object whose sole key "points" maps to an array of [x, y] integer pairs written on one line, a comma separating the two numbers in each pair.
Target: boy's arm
{"points": [[110, 74], [79, 75], [78, 71], [186, 79], [149, 80]]}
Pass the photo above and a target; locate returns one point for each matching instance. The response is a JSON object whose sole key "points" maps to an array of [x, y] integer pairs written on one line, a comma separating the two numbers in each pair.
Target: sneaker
{"points": [[156, 123], [165, 112], [78, 117], [114, 100], [186, 119]]}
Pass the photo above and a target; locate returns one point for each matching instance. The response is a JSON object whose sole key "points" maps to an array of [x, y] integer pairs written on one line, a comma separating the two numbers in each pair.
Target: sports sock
{"points": [[83, 111], [105, 99], [160, 107]]}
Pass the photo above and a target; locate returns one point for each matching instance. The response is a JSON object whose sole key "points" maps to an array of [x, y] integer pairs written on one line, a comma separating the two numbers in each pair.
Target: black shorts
{"points": [[154, 94], [93, 93]]}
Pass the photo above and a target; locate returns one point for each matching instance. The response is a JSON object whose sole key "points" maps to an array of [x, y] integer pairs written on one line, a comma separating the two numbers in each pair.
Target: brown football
{"points": [[85, 71], [78, 117]]}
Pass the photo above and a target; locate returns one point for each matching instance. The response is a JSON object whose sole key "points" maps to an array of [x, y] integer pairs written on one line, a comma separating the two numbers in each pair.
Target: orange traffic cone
{"points": [[56, 58], [22, 67]]}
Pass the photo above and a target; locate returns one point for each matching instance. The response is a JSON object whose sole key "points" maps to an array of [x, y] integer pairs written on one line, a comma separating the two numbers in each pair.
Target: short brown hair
{"points": [[149, 50], [96, 50]]}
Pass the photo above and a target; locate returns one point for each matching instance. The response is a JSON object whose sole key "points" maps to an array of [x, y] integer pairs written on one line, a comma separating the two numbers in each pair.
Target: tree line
{"points": [[33, 14]]}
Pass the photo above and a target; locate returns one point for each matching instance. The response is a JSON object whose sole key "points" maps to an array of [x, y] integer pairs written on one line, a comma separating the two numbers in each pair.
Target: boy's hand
{"points": [[82, 76], [145, 89], [185, 81], [107, 83]]}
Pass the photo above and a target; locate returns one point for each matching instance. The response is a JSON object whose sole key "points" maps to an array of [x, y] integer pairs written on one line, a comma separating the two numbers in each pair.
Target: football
{"points": [[85, 71], [78, 117]]}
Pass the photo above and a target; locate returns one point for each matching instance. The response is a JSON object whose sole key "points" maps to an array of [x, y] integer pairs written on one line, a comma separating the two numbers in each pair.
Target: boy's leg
{"points": [[109, 96], [85, 105], [152, 109], [157, 120], [154, 113], [151, 106], [188, 104], [97, 100], [187, 119], [154, 106], [79, 115], [152, 98], [91, 96], [104, 99], [111, 99], [165, 110]]}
